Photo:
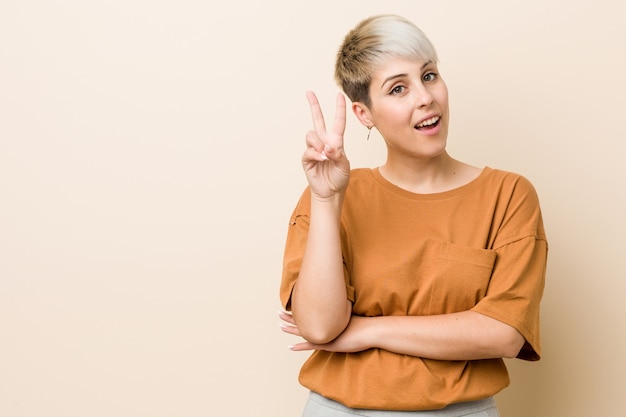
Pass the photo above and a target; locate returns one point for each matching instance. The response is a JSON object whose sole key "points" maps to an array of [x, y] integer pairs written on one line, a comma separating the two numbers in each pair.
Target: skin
{"points": [[319, 300], [403, 93]]}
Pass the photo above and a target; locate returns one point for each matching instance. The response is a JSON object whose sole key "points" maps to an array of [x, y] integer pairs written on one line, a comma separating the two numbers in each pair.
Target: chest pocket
{"points": [[460, 278]]}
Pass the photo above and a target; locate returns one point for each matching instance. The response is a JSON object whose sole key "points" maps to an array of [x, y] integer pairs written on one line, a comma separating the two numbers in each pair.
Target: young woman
{"points": [[410, 281]]}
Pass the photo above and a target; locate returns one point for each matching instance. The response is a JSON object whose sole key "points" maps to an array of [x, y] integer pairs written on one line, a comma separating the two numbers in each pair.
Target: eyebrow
{"points": [[393, 77]]}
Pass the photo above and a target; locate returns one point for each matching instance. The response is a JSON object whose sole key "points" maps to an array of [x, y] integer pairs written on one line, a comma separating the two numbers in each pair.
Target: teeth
{"points": [[429, 122]]}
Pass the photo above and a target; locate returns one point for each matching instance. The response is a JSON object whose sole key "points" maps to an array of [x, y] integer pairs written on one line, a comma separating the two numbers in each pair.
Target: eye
{"points": [[398, 89], [429, 76]]}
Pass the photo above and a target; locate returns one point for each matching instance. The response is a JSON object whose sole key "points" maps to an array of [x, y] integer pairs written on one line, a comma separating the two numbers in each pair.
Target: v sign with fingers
{"points": [[325, 163], [319, 299]]}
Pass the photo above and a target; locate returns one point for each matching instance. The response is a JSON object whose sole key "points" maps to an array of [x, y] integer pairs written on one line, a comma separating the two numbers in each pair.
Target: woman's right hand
{"points": [[325, 163]]}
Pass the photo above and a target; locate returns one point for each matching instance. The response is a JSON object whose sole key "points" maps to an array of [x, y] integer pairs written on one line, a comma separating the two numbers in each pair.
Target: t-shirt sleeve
{"points": [[294, 251], [517, 282]]}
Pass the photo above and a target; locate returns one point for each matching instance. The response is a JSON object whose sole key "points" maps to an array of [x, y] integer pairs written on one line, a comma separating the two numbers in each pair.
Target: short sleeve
{"points": [[294, 251], [518, 279]]}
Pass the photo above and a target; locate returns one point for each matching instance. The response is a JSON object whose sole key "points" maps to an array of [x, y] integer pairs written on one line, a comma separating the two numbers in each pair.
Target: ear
{"points": [[362, 113]]}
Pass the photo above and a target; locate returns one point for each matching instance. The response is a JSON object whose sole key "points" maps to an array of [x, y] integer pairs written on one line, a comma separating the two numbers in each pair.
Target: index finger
{"points": [[316, 113]]}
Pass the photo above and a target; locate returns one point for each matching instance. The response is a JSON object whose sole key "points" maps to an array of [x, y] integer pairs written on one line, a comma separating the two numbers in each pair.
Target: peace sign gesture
{"points": [[325, 163]]}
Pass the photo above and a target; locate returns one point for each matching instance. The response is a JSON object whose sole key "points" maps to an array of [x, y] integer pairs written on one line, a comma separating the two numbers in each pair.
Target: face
{"points": [[409, 107]]}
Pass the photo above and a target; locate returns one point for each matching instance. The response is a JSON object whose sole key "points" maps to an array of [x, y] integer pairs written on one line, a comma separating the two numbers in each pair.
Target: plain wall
{"points": [[149, 161]]}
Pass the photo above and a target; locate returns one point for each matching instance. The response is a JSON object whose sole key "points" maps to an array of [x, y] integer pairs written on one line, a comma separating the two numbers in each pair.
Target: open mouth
{"points": [[428, 123]]}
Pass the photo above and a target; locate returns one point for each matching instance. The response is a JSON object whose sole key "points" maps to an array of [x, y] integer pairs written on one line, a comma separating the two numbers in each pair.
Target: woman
{"points": [[411, 281]]}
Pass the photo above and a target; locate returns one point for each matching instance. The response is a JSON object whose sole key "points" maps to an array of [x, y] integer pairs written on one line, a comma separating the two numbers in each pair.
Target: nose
{"points": [[424, 97]]}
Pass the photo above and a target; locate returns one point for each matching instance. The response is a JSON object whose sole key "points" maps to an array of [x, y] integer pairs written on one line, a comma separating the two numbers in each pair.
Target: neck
{"points": [[433, 175]]}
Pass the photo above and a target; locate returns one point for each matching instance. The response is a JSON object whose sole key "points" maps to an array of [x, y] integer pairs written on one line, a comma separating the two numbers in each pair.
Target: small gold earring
{"points": [[369, 131]]}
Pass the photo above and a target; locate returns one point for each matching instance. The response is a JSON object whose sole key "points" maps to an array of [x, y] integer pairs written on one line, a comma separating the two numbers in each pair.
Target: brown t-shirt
{"points": [[479, 247]]}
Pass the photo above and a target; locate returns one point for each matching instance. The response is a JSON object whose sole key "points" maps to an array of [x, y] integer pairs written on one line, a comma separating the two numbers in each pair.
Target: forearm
{"points": [[458, 336], [319, 301]]}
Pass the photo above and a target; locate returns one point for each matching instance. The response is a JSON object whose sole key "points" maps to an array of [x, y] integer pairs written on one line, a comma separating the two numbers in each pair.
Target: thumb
{"points": [[331, 153]]}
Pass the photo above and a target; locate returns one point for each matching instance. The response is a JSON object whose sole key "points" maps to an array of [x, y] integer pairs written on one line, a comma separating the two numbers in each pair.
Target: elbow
{"points": [[500, 339], [320, 334], [512, 343], [321, 328]]}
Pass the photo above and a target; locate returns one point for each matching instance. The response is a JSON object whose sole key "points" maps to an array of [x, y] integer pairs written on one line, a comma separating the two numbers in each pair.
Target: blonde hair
{"points": [[373, 40]]}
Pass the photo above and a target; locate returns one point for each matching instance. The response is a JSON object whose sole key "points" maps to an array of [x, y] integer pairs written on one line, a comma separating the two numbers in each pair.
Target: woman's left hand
{"points": [[353, 339]]}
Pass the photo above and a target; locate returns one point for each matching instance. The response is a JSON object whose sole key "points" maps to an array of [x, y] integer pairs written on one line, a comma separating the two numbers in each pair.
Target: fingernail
{"points": [[290, 347]]}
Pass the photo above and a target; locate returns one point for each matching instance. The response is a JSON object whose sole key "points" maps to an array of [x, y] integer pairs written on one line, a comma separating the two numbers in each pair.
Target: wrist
{"points": [[370, 331], [330, 199]]}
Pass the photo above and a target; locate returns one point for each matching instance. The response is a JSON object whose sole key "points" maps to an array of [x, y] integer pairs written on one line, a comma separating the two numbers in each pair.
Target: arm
{"points": [[465, 335], [319, 299], [504, 323]]}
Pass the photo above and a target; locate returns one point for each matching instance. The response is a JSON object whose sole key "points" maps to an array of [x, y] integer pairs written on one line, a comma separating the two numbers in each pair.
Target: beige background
{"points": [[149, 160]]}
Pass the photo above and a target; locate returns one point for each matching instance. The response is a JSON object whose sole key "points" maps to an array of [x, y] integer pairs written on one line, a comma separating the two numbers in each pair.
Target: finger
{"points": [[313, 140], [316, 113], [303, 346], [293, 330], [315, 150], [339, 125], [311, 155], [286, 317]]}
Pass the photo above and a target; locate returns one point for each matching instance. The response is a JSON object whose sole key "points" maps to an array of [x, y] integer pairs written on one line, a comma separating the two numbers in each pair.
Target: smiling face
{"points": [[409, 107]]}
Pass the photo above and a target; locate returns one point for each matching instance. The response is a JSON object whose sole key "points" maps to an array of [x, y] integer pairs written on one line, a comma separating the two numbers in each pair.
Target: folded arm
{"points": [[319, 300], [466, 335]]}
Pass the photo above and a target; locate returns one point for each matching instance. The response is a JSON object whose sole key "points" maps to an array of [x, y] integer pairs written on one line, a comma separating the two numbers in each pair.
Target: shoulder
{"points": [[509, 182], [518, 205], [505, 176], [360, 174], [364, 184], [359, 178]]}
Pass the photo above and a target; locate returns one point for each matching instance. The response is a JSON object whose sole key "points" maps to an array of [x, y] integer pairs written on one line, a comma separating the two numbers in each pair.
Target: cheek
{"points": [[399, 115], [442, 95], [393, 113]]}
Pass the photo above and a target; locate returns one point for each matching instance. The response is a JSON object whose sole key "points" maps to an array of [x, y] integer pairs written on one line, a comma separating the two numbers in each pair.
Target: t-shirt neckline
{"points": [[444, 195]]}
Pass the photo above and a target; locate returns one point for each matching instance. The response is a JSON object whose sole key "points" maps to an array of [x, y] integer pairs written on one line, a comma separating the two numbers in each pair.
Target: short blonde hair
{"points": [[371, 42]]}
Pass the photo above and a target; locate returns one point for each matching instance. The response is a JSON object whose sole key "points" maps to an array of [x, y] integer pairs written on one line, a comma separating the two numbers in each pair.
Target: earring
{"points": [[369, 131]]}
